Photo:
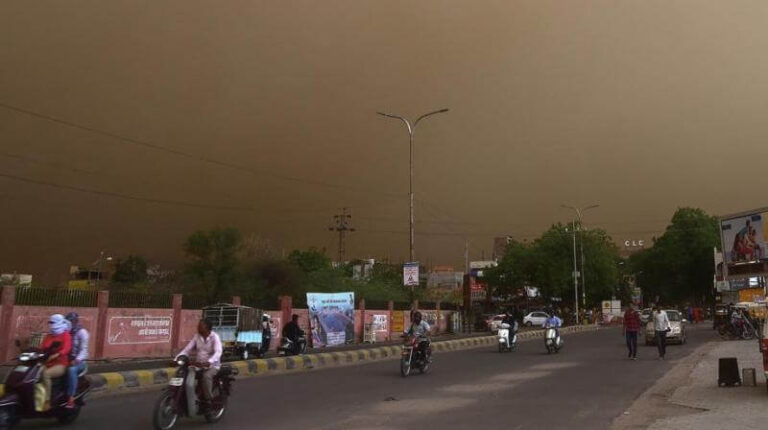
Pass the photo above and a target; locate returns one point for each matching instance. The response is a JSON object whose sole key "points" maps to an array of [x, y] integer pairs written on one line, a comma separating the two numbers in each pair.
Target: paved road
{"points": [[584, 387]]}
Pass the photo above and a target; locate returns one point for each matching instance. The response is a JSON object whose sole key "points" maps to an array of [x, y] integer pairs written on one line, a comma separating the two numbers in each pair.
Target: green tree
{"points": [[311, 260], [213, 261], [679, 266], [131, 271]]}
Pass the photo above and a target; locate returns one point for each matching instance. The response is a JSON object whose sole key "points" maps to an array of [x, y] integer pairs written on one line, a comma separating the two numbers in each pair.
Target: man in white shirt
{"points": [[207, 347], [661, 327]]}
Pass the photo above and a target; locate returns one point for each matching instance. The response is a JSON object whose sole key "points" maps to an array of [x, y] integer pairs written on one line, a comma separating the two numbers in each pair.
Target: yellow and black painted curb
{"points": [[111, 382]]}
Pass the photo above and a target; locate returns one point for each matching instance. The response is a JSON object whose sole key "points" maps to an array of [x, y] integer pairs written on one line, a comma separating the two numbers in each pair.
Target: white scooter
{"points": [[552, 340], [505, 343]]}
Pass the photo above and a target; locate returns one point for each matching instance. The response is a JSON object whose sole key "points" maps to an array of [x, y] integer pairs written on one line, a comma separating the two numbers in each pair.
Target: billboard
{"points": [[132, 330], [332, 318], [744, 238]]}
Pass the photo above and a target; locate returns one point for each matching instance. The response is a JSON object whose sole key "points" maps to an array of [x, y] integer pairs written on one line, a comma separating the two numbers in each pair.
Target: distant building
{"points": [[16, 279], [444, 277], [500, 246]]}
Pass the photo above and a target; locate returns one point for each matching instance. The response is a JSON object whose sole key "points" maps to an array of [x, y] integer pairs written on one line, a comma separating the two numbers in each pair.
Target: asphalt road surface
{"points": [[585, 386]]}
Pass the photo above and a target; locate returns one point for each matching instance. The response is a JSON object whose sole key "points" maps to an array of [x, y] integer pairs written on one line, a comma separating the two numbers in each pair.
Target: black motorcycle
{"points": [[18, 402], [289, 347], [741, 330], [417, 353], [183, 395]]}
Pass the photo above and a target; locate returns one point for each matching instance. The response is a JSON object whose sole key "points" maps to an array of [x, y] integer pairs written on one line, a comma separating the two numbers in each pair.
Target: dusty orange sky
{"points": [[264, 113]]}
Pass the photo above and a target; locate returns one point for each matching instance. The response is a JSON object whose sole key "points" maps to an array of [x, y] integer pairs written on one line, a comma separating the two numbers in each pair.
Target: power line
{"points": [[125, 196], [183, 154], [342, 223]]}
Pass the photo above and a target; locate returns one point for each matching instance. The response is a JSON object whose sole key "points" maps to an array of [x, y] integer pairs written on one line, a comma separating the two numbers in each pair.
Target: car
{"points": [[493, 322], [645, 315], [535, 319], [677, 323]]}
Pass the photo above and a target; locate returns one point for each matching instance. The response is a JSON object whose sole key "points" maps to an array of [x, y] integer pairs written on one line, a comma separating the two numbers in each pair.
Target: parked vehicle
{"points": [[239, 328], [183, 395], [21, 389], [535, 319], [412, 356], [743, 329], [505, 343], [288, 347], [677, 324], [552, 340]]}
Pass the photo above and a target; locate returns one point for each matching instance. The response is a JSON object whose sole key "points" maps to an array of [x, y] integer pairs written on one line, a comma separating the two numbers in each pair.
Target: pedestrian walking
{"points": [[631, 329], [661, 328]]}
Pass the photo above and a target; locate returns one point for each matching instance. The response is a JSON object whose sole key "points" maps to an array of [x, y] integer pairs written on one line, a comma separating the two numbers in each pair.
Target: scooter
{"points": [[289, 347], [184, 391], [505, 343], [23, 384], [413, 357], [552, 340]]}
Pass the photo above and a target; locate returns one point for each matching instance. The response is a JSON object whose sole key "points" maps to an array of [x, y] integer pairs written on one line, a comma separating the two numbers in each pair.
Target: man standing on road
{"points": [[661, 327], [631, 328]]}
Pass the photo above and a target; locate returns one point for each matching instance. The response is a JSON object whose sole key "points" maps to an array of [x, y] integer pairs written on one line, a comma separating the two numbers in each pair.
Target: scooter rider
{"points": [[293, 332], [420, 329], [511, 321], [77, 356], [553, 322], [207, 346]]}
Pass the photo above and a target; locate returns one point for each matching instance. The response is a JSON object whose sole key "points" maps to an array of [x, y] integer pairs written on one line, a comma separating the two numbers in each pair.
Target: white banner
{"points": [[411, 274]]}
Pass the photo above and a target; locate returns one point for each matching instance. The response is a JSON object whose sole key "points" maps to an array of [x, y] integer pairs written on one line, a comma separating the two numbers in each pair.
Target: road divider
{"points": [[127, 381]]}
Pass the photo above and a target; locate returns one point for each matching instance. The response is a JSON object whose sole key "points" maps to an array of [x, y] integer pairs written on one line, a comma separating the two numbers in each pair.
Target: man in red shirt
{"points": [[631, 329]]}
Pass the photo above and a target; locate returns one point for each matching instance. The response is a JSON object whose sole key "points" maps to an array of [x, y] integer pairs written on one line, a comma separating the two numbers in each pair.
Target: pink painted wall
{"points": [[381, 335], [138, 333], [189, 320], [27, 320]]}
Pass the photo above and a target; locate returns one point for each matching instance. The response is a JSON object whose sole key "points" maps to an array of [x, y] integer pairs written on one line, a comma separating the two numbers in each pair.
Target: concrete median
{"points": [[127, 381]]}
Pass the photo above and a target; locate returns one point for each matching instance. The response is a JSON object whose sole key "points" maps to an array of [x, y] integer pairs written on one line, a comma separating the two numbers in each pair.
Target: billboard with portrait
{"points": [[744, 238], [332, 318]]}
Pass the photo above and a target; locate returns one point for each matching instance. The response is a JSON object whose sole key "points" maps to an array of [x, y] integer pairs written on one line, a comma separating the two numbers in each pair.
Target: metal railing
{"points": [[33, 296], [118, 299]]}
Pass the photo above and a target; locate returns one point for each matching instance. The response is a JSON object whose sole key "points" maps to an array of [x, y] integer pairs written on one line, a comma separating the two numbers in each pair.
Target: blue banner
{"points": [[332, 318]]}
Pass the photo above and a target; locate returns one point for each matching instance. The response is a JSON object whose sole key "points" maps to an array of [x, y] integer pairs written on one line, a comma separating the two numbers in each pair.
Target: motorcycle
{"points": [[552, 340], [505, 343], [289, 347], [742, 330], [413, 355], [24, 383], [184, 391]]}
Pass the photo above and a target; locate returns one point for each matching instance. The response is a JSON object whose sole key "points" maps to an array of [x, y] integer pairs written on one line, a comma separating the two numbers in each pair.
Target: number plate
{"points": [[21, 368], [176, 382]]}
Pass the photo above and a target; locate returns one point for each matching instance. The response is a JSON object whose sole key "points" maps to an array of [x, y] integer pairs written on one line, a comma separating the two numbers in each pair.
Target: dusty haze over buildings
{"points": [[126, 125]]}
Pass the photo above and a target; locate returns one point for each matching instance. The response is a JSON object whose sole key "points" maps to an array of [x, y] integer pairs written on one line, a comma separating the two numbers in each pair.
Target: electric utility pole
{"points": [[342, 223]]}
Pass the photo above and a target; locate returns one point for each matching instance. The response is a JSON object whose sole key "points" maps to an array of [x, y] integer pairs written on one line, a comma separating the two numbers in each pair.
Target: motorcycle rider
{"points": [[207, 346], [77, 356], [511, 321], [420, 329], [294, 333]]}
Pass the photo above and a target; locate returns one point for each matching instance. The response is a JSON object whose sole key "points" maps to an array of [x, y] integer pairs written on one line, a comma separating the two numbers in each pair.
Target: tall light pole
{"points": [[99, 267], [579, 216], [411, 130]]}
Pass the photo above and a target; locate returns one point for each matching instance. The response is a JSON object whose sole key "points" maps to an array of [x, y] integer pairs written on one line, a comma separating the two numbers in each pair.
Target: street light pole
{"points": [[579, 216], [411, 130]]}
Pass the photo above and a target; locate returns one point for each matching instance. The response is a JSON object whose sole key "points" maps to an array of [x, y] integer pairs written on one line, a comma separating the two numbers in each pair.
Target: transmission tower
{"points": [[342, 224]]}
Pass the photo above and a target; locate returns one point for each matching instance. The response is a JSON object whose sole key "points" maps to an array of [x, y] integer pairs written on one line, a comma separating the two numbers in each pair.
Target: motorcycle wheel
{"points": [[245, 354], [424, 367], [549, 349], [215, 416], [747, 335], [501, 347], [405, 368], [70, 416], [165, 414], [6, 419]]}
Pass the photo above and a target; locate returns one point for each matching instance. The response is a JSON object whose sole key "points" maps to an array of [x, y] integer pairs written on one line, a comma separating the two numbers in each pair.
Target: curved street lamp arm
{"points": [[407, 124], [428, 114]]}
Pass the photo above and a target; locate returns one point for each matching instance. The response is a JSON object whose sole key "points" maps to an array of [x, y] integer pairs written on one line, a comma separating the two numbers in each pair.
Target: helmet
{"points": [[265, 317]]}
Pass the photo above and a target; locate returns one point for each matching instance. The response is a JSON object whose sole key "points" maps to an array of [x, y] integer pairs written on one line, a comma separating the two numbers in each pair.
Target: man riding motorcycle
{"points": [[207, 346], [511, 321], [553, 322], [294, 333], [420, 329]]}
